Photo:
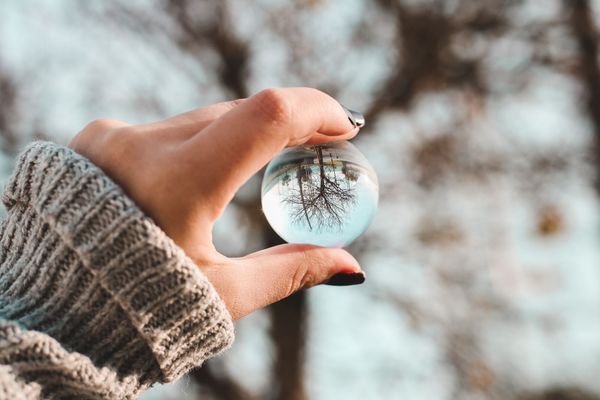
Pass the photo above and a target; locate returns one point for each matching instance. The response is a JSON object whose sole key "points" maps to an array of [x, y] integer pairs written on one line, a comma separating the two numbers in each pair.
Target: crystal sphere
{"points": [[324, 195]]}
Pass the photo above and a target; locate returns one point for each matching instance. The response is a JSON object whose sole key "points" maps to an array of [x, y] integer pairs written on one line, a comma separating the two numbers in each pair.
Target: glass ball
{"points": [[324, 195]]}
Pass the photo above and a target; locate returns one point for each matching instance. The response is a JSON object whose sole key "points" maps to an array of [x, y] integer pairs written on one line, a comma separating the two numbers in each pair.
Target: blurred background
{"points": [[483, 123]]}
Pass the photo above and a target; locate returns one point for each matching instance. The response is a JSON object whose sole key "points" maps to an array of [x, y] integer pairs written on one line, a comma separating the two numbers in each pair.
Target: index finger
{"points": [[234, 147]]}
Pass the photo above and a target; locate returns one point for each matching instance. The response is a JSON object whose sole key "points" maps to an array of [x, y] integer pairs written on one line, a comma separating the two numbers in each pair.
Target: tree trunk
{"points": [[585, 32], [288, 320]]}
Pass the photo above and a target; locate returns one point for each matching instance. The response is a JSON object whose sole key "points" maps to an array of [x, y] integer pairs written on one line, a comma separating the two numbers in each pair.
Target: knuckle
{"points": [[94, 134], [304, 275], [274, 105], [300, 279], [117, 151], [101, 125]]}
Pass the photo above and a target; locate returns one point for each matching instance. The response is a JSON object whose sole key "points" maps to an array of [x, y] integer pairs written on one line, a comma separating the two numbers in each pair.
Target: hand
{"points": [[183, 172]]}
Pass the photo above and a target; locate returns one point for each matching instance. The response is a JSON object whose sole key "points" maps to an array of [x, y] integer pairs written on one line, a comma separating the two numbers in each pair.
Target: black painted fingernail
{"points": [[343, 279], [356, 119]]}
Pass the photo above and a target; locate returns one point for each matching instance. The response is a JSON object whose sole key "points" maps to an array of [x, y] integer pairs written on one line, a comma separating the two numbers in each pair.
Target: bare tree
{"points": [[320, 199]]}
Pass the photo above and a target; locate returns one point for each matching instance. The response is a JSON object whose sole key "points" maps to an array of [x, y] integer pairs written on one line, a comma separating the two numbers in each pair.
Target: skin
{"points": [[183, 171]]}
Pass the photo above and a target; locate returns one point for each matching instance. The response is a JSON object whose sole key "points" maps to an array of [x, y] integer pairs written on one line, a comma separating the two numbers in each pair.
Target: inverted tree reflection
{"points": [[321, 194]]}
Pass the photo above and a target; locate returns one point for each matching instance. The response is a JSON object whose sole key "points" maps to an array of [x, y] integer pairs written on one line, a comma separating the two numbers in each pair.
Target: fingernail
{"points": [[344, 279], [356, 119]]}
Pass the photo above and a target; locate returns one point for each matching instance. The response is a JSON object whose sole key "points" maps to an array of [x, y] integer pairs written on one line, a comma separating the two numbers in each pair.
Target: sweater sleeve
{"points": [[83, 268]]}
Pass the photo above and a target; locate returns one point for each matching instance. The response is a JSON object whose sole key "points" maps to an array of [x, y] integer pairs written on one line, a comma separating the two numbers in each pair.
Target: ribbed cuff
{"points": [[81, 262]]}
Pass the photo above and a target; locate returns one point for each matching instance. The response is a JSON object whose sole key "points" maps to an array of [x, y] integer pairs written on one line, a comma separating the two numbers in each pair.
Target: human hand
{"points": [[183, 172]]}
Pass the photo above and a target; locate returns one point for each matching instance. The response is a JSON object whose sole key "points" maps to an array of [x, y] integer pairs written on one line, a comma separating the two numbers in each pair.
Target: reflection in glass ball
{"points": [[324, 195]]}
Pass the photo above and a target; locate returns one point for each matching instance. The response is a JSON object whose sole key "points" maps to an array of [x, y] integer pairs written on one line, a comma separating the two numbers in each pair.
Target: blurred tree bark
{"points": [[221, 386], [8, 112], [560, 393], [582, 23], [288, 322]]}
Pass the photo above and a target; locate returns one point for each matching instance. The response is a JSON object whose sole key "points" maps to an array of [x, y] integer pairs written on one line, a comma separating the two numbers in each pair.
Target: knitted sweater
{"points": [[96, 302]]}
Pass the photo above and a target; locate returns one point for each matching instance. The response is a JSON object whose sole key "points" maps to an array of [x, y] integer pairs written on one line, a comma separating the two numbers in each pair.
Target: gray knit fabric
{"points": [[95, 300]]}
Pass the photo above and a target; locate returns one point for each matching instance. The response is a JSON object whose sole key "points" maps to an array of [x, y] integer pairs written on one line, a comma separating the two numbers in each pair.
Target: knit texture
{"points": [[95, 300]]}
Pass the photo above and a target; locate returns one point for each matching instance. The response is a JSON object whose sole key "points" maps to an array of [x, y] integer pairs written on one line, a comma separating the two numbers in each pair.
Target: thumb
{"points": [[265, 277]]}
